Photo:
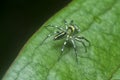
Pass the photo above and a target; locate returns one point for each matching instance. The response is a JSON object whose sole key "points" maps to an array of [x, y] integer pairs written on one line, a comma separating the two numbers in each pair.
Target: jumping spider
{"points": [[69, 33]]}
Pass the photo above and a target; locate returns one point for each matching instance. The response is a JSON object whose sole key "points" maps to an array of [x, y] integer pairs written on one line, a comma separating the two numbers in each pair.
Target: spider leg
{"points": [[57, 27], [66, 24], [62, 49], [80, 37], [71, 22], [74, 46], [77, 27], [79, 40], [64, 46], [47, 37]]}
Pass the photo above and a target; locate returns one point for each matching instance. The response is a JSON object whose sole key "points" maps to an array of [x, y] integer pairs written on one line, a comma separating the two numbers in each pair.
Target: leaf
{"points": [[99, 22]]}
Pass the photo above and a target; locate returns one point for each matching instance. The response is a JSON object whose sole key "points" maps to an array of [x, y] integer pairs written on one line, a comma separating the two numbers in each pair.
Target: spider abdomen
{"points": [[59, 35]]}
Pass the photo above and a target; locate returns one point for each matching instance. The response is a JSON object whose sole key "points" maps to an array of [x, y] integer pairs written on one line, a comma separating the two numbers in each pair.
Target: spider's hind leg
{"points": [[48, 37], [57, 27]]}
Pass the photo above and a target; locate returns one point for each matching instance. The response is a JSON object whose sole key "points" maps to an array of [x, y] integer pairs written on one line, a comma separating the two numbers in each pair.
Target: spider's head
{"points": [[71, 30]]}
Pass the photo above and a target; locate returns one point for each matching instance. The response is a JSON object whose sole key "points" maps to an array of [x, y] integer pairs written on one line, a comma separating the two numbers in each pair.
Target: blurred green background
{"points": [[19, 19]]}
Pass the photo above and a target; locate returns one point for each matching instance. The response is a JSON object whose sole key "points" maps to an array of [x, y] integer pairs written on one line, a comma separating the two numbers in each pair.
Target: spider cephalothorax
{"points": [[68, 32]]}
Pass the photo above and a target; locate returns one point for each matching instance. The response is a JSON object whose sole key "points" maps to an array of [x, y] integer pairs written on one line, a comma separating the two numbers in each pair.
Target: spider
{"points": [[69, 34]]}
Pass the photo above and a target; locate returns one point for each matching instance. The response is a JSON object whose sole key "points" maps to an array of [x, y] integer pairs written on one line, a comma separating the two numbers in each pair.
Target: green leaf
{"points": [[99, 22]]}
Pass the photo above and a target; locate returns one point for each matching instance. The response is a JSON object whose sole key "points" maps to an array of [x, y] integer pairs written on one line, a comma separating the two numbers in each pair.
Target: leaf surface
{"points": [[99, 22]]}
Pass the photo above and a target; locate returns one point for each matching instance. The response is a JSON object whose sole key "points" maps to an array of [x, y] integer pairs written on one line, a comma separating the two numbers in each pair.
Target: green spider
{"points": [[69, 34]]}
